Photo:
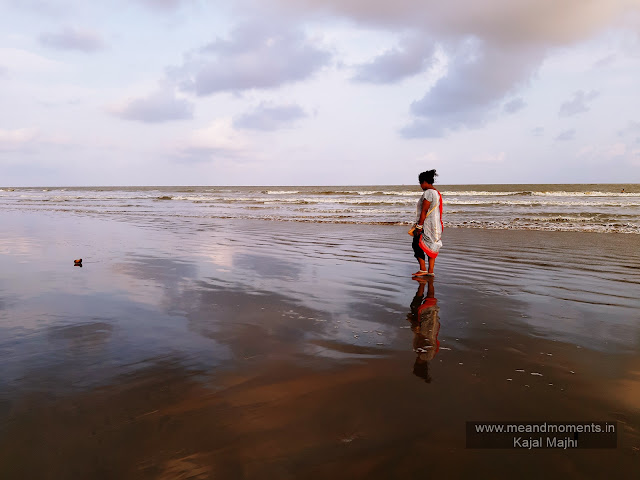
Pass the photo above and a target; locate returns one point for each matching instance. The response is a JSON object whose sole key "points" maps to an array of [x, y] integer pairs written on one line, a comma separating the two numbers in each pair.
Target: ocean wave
{"points": [[540, 203], [516, 208], [368, 211], [348, 193], [547, 226], [415, 194], [560, 218], [292, 201], [340, 201], [473, 193], [280, 192], [586, 194], [482, 193]]}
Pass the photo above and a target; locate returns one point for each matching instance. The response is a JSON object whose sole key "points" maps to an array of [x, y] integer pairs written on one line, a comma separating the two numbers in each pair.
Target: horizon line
{"points": [[308, 185]]}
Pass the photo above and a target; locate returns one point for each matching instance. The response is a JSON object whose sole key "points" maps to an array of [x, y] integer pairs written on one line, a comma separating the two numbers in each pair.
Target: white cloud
{"points": [[257, 56], [578, 103], [632, 128], [218, 140], [163, 5], [478, 77], [22, 61], [505, 22], [515, 105], [269, 117], [612, 153], [494, 47], [161, 106], [220, 134], [415, 54], [17, 139], [605, 62], [616, 150], [587, 150], [71, 38], [566, 135], [490, 158]]}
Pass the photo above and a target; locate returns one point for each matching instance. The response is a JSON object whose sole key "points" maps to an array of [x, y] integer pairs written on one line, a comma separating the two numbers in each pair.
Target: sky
{"points": [[310, 92]]}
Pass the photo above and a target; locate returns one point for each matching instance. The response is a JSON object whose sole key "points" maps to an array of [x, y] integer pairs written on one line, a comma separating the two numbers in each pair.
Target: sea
{"points": [[554, 207]]}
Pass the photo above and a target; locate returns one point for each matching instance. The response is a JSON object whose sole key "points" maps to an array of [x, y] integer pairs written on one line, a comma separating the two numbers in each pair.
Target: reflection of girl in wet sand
{"points": [[425, 323]]}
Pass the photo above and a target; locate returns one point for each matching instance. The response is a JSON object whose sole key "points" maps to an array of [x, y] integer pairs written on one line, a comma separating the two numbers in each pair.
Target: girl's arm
{"points": [[423, 214]]}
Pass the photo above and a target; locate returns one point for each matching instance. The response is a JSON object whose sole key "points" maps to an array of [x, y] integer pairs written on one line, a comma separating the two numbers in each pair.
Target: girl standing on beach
{"points": [[428, 229]]}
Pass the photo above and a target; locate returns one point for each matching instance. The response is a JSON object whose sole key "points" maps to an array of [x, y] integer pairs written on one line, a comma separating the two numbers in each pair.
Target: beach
{"points": [[210, 347]]}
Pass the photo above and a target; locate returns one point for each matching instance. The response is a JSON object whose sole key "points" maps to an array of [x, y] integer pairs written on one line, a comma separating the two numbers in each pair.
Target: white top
{"points": [[430, 195]]}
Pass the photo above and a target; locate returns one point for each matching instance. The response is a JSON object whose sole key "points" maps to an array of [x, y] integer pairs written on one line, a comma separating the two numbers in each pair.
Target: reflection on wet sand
{"points": [[425, 323], [292, 361]]}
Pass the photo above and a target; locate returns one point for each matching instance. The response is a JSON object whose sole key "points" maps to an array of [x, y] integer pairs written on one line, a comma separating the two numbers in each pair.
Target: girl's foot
{"points": [[423, 273]]}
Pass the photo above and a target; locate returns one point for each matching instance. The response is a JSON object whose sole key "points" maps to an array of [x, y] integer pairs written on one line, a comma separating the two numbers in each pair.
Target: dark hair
{"points": [[428, 176]]}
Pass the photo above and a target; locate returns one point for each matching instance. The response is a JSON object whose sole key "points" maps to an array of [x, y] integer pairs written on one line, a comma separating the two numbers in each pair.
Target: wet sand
{"points": [[278, 350]]}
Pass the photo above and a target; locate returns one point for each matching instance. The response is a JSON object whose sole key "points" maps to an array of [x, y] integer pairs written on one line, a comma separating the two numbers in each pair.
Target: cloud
{"points": [[413, 56], [47, 8], [167, 5], [218, 140], [17, 139], [577, 104], [566, 135], [270, 117], [605, 61], [616, 150], [538, 131], [632, 128], [162, 106], [258, 56], [490, 158], [510, 39], [4, 71], [17, 60], [503, 22], [478, 77], [515, 105], [219, 135], [612, 152], [73, 39]]}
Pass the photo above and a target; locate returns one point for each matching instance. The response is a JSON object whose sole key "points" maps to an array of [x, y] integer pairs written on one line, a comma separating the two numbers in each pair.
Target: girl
{"points": [[428, 230]]}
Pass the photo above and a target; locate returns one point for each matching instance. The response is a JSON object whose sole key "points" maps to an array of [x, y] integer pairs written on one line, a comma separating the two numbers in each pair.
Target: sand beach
{"points": [[231, 348]]}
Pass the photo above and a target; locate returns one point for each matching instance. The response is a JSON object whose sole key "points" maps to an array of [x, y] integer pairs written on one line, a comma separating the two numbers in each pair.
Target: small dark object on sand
{"points": [[77, 263]]}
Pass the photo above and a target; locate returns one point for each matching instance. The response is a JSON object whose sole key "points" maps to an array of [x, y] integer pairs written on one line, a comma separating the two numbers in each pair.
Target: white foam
{"points": [[586, 194], [480, 193], [541, 202]]}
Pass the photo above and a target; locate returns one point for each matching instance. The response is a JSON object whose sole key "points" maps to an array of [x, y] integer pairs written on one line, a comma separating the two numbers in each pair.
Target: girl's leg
{"points": [[419, 254], [423, 267], [432, 262]]}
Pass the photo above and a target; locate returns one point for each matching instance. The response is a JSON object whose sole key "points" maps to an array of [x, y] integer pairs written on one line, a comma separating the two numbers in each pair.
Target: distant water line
{"points": [[588, 208]]}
